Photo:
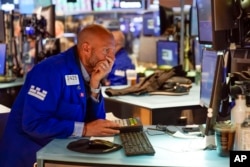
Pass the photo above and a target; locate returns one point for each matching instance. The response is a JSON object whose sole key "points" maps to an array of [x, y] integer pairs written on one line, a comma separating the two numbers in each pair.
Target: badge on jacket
{"points": [[72, 79], [120, 73]]}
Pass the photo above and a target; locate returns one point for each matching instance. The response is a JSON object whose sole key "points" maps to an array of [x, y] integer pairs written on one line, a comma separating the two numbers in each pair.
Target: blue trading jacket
{"points": [[122, 62], [46, 108]]}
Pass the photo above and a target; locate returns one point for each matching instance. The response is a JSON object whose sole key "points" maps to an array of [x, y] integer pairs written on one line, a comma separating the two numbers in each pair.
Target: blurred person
{"points": [[117, 76], [65, 43], [60, 98]]}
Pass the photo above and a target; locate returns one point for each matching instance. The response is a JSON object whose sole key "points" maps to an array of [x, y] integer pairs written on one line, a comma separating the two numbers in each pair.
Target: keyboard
{"points": [[136, 143], [129, 125]]}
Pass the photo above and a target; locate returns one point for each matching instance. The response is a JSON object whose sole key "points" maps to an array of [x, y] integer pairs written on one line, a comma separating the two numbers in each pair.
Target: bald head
{"points": [[93, 34], [59, 28], [119, 39]]}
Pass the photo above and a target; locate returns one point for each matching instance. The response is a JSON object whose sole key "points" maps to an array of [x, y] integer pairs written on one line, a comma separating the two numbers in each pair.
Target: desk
{"points": [[155, 109], [16, 83], [168, 153], [9, 91]]}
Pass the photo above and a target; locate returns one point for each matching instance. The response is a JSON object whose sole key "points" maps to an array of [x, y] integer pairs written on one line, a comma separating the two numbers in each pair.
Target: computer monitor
{"points": [[166, 16], [204, 21], [215, 20], [2, 26], [167, 53], [151, 25], [193, 22], [212, 79], [2, 58]]}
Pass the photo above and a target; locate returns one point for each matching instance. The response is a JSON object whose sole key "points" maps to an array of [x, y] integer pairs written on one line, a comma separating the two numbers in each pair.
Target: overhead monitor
{"points": [[212, 78], [104, 5], [167, 53], [108, 5], [64, 7], [2, 58]]}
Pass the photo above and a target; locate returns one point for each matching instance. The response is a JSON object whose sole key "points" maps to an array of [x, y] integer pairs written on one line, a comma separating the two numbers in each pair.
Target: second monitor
{"points": [[167, 53]]}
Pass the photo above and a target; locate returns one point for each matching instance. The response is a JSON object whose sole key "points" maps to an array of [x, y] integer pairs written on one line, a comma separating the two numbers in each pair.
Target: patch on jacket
{"points": [[37, 92]]}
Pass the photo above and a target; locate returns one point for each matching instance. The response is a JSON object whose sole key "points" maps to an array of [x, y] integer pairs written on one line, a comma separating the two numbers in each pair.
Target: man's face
{"points": [[100, 53]]}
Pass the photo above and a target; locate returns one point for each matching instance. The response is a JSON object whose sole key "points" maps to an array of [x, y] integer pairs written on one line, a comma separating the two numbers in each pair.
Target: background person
{"points": [[65, 43], [60, 98], [117, 76]]}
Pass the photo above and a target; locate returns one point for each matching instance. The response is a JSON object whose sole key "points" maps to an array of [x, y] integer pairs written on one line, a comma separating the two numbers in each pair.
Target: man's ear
{"points": [[86, 47]]}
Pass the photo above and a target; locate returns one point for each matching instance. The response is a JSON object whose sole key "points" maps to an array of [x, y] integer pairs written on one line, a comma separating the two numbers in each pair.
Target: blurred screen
{"points": [[167, 53], [208, 66], [2, 58]]}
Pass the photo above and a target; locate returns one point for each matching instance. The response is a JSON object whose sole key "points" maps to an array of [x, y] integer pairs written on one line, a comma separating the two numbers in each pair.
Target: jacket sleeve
{"points": [[40, 118]]}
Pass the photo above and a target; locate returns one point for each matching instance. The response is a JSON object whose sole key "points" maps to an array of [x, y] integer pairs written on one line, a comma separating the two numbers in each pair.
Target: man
{"points": [[60, 98], [65, 43], [117, 76]]}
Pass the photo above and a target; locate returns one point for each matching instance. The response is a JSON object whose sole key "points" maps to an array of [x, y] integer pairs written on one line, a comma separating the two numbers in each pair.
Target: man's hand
{"points": [[100, 127], [101, 70]]}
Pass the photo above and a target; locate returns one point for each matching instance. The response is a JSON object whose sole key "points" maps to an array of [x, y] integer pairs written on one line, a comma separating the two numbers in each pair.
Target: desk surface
{"points": [[159, 101], [17, 82], [170, 151]]}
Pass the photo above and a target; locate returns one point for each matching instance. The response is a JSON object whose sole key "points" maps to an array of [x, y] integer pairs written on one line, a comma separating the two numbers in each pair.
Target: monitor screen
{"points": [[167, 53], [215, 20], [63, 7], [193, 22], [2, 26], [207, 75], [212, 79], [151, 24], [204, 21], [197, 51], [2, 58], [105, 5]]}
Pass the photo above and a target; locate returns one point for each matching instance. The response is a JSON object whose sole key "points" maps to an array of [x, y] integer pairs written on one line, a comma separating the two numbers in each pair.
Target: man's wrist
{"points": [[95, 90]]}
